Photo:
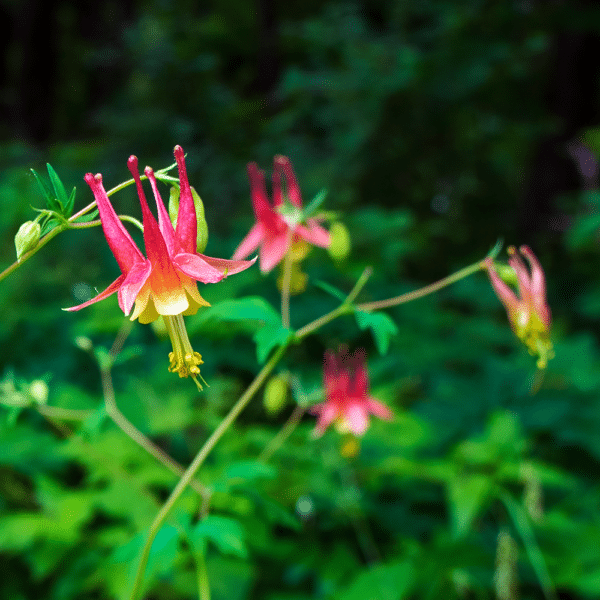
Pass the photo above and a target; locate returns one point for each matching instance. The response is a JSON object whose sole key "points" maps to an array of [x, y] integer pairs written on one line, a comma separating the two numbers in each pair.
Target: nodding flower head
{"points": [[278, 225], [529, 315], [348, 403], [164, 282]]}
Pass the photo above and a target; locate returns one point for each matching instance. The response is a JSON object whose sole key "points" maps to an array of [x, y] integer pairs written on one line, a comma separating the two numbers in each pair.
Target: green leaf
{"points": [[269, 337], [225, 533], [467, 495], [49, 225], [59, 189], [314, 205], [251, 307], [88, 217], [70, 203], [381, 325], [384, 582], [250, 469], [51, 202]]}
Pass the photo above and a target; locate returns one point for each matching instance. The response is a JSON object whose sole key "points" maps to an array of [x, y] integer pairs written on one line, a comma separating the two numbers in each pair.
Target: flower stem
{"points": [[284, 434], [69, 224], [197, 463], [285, 289], [203, 583], [343, 309], [424, 291], [125, 425]]}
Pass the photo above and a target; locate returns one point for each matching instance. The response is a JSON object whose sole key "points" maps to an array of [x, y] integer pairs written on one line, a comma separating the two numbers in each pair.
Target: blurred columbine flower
{"points": [[347, 403], [529, 315], [164, 284], [279, 225]]}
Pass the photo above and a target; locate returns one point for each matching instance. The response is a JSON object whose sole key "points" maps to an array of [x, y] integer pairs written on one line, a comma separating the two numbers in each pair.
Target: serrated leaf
{"points": [[225, 533], [59, 189], [269, 337], [381, 325]]}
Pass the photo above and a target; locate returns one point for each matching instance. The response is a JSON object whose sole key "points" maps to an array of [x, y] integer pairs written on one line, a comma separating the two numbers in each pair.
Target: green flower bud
{"points": [[27, 237], [202, 232], [507, 274], [275, 394], [340, 241]]}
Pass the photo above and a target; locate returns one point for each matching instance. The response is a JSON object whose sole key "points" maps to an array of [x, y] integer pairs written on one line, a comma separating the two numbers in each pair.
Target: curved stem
{"points": [[197, 463], [125, 425], [70, 224], [424, 291], [285, 289], [284, 433], [343, 309], [65, 414]]}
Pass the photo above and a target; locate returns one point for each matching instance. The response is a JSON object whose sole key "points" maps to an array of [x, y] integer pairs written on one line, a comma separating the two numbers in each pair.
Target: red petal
{"points": [[228, 267], [111, 289], [273, 250], [314, 234], [357, 417], [251, 242], [197, 268], [164, 222], [186, 217], [504, 293], [293, 190], [131, 287], [260, 202], [121, 244], [379, 409]]}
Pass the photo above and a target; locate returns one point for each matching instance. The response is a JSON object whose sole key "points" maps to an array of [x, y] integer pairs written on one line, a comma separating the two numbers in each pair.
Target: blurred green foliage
{"points": [[421, 119]]}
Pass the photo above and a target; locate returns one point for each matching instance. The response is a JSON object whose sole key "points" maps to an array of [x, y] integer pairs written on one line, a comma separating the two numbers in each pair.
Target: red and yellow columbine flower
{"points": [[529, 315], [164, 284], [347, 403], [277, 226]]}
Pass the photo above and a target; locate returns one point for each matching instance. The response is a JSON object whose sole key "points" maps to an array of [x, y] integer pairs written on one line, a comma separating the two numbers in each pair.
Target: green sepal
{"points": [[202, 225]]}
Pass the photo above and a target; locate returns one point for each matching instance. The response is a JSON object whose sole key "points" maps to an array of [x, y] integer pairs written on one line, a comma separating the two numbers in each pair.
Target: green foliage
{"points": [[421, 119]]}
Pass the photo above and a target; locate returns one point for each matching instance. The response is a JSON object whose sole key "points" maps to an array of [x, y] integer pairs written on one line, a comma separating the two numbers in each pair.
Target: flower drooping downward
{"points": [[529, 315], [164, 283], [278, 226], [347, 403]]}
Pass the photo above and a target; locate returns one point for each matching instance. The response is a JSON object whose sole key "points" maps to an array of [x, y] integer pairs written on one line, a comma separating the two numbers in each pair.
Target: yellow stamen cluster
{"points": [[534, 334], [183, 360]]}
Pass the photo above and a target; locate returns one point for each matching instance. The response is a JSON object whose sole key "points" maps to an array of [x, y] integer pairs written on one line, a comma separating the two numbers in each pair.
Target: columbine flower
{"points": [[278, 225], [164, 284], [347, 403], [529, 315]]}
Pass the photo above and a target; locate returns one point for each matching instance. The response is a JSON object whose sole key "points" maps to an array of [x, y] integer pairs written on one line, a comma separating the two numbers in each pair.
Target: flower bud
{"points": [[27, 237], [340, 241], [275, 394], [202, 225]]}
